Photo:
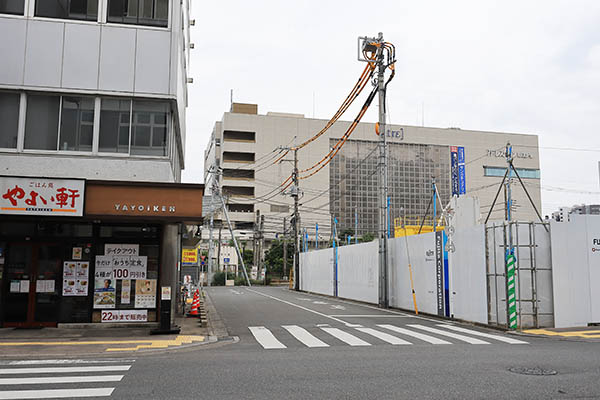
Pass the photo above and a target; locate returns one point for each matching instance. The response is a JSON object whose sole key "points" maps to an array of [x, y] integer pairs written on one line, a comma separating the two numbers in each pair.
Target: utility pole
{"points": [[382, 174], [255, 244], [295, 195], [284, 247], [210, 238], [261, 237], [219, 249], [433, 192]]}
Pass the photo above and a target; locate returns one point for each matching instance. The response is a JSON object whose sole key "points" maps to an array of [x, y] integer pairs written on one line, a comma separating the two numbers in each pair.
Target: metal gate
{"points": [[533, 269]]}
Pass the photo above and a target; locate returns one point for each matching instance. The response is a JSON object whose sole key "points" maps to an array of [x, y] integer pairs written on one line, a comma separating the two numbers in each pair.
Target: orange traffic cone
{"points": [[195, 304]]}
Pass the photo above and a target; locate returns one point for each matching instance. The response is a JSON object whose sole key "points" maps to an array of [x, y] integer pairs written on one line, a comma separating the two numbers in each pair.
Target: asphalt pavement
{"points": [[274, 343]]}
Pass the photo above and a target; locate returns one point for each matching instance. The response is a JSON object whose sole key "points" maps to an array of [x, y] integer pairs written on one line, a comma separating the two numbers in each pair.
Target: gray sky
{"points": [[515, 66]]}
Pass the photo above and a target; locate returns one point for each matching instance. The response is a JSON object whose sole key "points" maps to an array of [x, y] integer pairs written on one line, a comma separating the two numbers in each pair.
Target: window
{"points": [[523, 172], [12, 7], [68, 9], [114, 126], [9, 119], [77, 123], [139, 12], [41, 125], [149, 128]]}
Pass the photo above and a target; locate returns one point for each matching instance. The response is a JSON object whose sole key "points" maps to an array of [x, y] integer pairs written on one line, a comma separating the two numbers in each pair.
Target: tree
{"points": [[274, 257], [346, 232], [367, 237]]}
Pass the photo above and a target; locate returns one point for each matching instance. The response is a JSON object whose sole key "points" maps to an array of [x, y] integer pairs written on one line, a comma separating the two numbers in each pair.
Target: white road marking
{"points": [[51, 370], [482, 334], [234, 291], [354, 325], [319, 302], [75, 361], [60, 379], [266, 338], [304, 336], [346, 337], [55, 393], [425, 338], [303, 299], [449, 334], [386, 337], [369, 316], [320, 325], [336, 307], [297, 306]]}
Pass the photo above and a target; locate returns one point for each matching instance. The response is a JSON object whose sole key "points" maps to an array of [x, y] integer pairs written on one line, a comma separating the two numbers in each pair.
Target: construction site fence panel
{"points": [[576, 274], [358, 272], [316, 271]]}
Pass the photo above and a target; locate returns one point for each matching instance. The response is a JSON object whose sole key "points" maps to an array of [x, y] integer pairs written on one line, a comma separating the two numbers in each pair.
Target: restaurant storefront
{"points": [[76, 251]]}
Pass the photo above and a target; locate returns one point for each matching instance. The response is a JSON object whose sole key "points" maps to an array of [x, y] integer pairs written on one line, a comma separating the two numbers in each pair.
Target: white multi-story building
{"points": [[93, 88], [93, 97], [246, 148]]}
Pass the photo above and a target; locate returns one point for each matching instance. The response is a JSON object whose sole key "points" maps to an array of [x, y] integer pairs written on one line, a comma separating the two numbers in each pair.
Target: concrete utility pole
{"points": [[382, 174], [219, 249], [210, 239], [255, 251], [295, 195], [261, 254], [284, 247]]}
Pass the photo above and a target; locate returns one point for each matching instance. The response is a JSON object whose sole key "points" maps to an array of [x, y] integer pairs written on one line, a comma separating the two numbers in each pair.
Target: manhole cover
{"points": [[532, 371]]}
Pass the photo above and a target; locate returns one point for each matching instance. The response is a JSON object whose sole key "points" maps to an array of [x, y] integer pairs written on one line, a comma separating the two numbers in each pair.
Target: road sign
{"points": [[226, 260]]}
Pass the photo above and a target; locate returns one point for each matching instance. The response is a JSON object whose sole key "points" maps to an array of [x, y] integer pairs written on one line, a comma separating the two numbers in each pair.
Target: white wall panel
{"points": [[592, 248], [117, 58], [422, 258], [316, 271], [43, 57], [12, 49], [81, 53], [468, 294], [358, 272], [570, 273], [152, 62], [87, 167]]}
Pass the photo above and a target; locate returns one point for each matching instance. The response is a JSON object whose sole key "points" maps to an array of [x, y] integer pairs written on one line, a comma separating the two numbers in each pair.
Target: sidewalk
{"points": [[589, 333], [98, 340]]}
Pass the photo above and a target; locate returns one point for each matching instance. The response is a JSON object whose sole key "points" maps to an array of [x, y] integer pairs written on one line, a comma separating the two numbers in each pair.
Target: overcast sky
{"points": [[514, 66]]}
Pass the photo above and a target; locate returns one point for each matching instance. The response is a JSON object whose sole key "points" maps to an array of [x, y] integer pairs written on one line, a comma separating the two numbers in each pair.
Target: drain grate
{"points": [[532, 371]]}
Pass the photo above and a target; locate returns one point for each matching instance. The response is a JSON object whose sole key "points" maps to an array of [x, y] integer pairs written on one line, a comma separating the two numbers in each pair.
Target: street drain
{"points": [[532, 371]]}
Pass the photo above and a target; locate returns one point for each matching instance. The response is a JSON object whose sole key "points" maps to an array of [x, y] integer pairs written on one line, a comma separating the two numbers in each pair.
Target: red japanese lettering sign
{"points": [[40, 196]]}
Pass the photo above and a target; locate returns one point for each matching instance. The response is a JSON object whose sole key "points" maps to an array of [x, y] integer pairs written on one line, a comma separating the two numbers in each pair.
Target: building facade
{"points": [[93, 97], [247, 148]]}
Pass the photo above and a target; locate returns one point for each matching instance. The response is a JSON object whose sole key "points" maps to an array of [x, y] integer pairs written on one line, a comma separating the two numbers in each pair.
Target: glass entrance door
{"points": [[33, 279]]}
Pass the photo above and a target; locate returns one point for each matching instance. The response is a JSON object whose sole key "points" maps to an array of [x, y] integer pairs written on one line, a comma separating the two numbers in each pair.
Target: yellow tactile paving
{"points": [[141, 344], [591, 334]]}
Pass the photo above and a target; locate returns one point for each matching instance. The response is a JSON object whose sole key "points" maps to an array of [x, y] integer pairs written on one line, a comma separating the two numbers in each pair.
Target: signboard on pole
{"points": [[189, 256]]}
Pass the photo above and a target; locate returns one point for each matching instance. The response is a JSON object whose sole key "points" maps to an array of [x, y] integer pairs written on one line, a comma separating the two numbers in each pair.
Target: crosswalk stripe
{"points": [[449, 334], [421, 336], [266, 338], [55, 393], [386, 337], [47, 370], [482, 334], [60, 379], [346, 337], [304, 336]]}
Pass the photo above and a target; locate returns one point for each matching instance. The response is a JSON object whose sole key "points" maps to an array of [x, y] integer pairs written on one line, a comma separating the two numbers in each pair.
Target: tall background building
{"points": [[246, 147]]}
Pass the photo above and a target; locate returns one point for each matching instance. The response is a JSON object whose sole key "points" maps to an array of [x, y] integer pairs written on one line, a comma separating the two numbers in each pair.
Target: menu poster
{"points": [[81, 287], [15, 286], [24, 287], [83, 269], [69, 269], [77, 253], [145, 293], [44, 286], [69, 287], [126, 291], [104, 293]]}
